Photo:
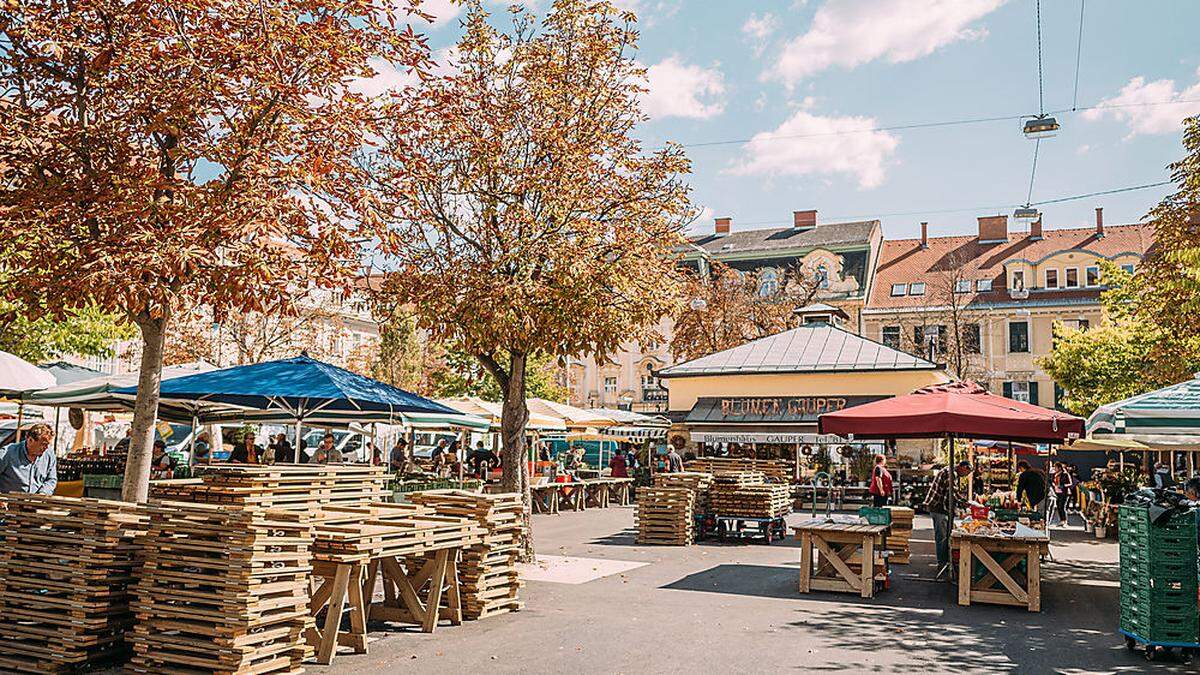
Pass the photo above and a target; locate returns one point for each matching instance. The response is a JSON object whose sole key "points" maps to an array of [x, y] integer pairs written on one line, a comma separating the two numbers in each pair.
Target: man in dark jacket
{"points": [[1031, 485]]}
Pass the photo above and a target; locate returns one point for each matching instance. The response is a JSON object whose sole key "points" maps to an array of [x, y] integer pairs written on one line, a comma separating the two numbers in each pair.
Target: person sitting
{"points": [[245, 452], [162, 463], [203, 448], [327, 452], [284, 453], [26, 466]]}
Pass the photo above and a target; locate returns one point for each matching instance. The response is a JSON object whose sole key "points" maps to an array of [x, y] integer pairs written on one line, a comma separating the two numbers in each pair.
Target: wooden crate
{"points": [[224, 589], [898, 538], [66, 565], [665, 516], [488, 579]]}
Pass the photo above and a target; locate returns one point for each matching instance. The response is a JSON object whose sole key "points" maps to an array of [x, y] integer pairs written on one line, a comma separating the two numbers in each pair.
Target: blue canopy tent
{"points": [[300, 390]]}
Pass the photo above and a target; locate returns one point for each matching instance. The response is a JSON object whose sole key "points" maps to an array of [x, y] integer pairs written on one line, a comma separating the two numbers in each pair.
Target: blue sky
{"points": [[762, 69]]}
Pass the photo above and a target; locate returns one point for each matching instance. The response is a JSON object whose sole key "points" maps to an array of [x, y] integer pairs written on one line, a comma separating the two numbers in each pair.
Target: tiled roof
{"points": [[785, 238], [903, 261], [809, 348]]}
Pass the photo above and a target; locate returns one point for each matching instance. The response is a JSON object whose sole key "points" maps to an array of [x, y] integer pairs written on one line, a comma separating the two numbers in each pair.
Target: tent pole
{"points": [[192, 449], [299, 454], [20, 417], [57, 414]]}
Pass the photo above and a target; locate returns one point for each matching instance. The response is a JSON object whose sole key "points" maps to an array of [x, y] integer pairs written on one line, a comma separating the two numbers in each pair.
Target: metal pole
{"points": [[192, 450], [20, 417], [57, 414], [299, 454]]}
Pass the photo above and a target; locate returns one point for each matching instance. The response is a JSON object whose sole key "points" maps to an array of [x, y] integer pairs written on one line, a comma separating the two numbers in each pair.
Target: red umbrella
{"points": [[959, 409]]}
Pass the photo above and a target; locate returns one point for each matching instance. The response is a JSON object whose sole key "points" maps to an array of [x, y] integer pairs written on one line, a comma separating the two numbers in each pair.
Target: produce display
{"points": [[76, 466]]}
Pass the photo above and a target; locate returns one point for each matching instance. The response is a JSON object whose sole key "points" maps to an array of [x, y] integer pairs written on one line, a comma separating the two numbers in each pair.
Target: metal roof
{"points": [[809, 348]]}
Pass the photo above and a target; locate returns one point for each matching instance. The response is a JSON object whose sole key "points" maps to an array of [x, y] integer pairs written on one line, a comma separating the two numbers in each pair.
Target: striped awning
{"points": [[1170, 411]]}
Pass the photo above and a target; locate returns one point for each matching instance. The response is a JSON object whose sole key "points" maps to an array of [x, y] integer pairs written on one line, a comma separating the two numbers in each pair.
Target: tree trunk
{"points": [[136, 487], [513, 459]]}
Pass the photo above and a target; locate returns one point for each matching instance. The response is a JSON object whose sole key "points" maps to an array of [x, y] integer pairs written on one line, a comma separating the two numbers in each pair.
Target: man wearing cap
{"points": [[26, 466]]}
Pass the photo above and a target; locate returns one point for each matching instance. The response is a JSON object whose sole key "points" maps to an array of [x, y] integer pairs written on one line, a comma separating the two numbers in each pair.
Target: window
{"points": [[899, 289], [822, 276], [768, 282], [1018, 280], [1072, 274], [962, 286], [649, 382], [983, 285], [817, 318], [1091, 275], [1083, 325], [917, 288], [1018, 337], [929, 340], [1127, 267], [610, 385], [1020, 391], [891, 336], [971, 338], [1051, 278]]}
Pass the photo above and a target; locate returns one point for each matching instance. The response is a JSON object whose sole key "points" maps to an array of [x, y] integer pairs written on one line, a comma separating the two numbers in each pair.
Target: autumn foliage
{"points": [[160, 155]]}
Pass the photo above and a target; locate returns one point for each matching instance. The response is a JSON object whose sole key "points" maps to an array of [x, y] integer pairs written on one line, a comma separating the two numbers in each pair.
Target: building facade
{"points": [[839, 258], [985, 305]]}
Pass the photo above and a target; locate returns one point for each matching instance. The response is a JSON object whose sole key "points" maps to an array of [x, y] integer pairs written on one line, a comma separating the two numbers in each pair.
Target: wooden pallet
{"points": [[775, 469], [664, 516], [65, 568], [897, 541], [739, 478], [488, 579], [300, 487], [696, 481], [224, 589], [750, 500]]}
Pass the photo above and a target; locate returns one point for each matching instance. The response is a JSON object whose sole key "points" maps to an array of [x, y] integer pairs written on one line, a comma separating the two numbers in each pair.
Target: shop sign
{"points": [[771, 409]]}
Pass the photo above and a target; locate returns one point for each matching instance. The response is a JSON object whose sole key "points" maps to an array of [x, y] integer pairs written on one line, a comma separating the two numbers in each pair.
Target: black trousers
{"points": [[879, 500]]}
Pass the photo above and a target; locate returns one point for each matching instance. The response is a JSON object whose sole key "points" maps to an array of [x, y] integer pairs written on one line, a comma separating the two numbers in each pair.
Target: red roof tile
{"points": [[903, 261]]}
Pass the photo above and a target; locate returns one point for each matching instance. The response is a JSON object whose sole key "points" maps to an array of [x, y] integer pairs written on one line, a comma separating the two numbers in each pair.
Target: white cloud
{"points": [[390, 77], [678, 89], [808, 144], [759, 28], [442, 11], [849, 33], [1149, 119]]}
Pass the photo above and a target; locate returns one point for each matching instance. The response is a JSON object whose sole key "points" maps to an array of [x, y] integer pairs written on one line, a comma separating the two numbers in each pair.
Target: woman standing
{"points": [[881, 482], [1064, 485]]}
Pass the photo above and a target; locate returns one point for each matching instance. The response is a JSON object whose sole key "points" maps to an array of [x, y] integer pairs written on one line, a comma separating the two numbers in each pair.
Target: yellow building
{"points": [[769, 392], [985, 305]]}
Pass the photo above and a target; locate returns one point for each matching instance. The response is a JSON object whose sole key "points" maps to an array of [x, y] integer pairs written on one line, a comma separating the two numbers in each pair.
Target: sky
{"points": [[784, 105]]}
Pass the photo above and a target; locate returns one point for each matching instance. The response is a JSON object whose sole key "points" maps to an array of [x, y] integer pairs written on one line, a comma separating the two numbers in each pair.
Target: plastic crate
{"points": [[1160, 631], [1167, 600], [876, 516]]}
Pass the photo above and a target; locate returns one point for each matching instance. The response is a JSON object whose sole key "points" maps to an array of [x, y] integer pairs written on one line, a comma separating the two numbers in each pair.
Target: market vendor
{"points": [[26, 466], [1191, 489], [399, 459], [483, 460], [1031, 485], [937, 503], [162, 464], [245, 452], [327, 452]]}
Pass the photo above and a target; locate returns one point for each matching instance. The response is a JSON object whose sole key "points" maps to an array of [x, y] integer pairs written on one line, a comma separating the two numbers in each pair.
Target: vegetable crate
{"points": [[1159, 581], [876, 516]]}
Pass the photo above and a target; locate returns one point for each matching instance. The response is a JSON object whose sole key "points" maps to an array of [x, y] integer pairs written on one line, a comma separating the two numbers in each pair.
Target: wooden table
{"points": [[836, 550], [545, 497], [619, 490], [1003, 584], [596, 492], [573, 495]]}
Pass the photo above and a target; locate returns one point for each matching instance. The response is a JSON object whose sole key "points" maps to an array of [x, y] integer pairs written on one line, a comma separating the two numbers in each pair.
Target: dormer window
{"points": [[917, 289], [962, 286], [1052, 278], [1018, 281], [983, 285], [899, 290]]}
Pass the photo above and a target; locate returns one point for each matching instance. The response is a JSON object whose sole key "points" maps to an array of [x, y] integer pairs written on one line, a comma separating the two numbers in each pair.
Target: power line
{"points": [[933, 124], [1036, 146], [1078, 53], [1041, 94], [1102, 193]]}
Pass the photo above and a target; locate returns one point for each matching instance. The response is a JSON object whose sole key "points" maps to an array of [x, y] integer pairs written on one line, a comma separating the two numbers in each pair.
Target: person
{"points": [[483, 460], [618, 467], [284, 453], [937, 503], [1064, 485], [1031, 485], [674, 460], [203, 450], [375, 453], [543, 453], [1191, 489], [438, 454], [327, 452], [122, 446], [162, 463], [398, 459], [245, 452], [1163, 480], [26, 466], [881, 482]]}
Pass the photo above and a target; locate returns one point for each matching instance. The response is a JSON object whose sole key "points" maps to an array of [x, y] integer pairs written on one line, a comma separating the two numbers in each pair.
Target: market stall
{"points": [[1000, 563], [843, 554]]}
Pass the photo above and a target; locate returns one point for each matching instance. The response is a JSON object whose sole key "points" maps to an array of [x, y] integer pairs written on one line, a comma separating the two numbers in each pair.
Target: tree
{"points": [[520, 214], [37, 337], [160, 155], [1168, 289], [727, 308], [1108, 362], [460, 374], [947, 327]]}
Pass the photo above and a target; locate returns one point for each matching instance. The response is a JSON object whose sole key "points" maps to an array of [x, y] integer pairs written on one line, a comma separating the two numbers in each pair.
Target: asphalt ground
{"points": [[728, 608]]}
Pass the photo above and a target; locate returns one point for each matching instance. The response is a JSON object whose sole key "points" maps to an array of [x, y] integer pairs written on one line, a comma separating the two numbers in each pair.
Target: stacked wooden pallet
{"points": [[488, 578], [301, 487], [224, 589], [775, 469], [383, 530], [65, 571], [901, 532], [664, 515], [744, 494], [696, 481]]}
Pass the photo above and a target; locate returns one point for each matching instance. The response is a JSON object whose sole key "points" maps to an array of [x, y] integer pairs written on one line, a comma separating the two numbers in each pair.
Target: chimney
{"points": [[1099, 221], [993, 228], [924, 234], [723, 225], [804, 220], [1035, 229]]}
